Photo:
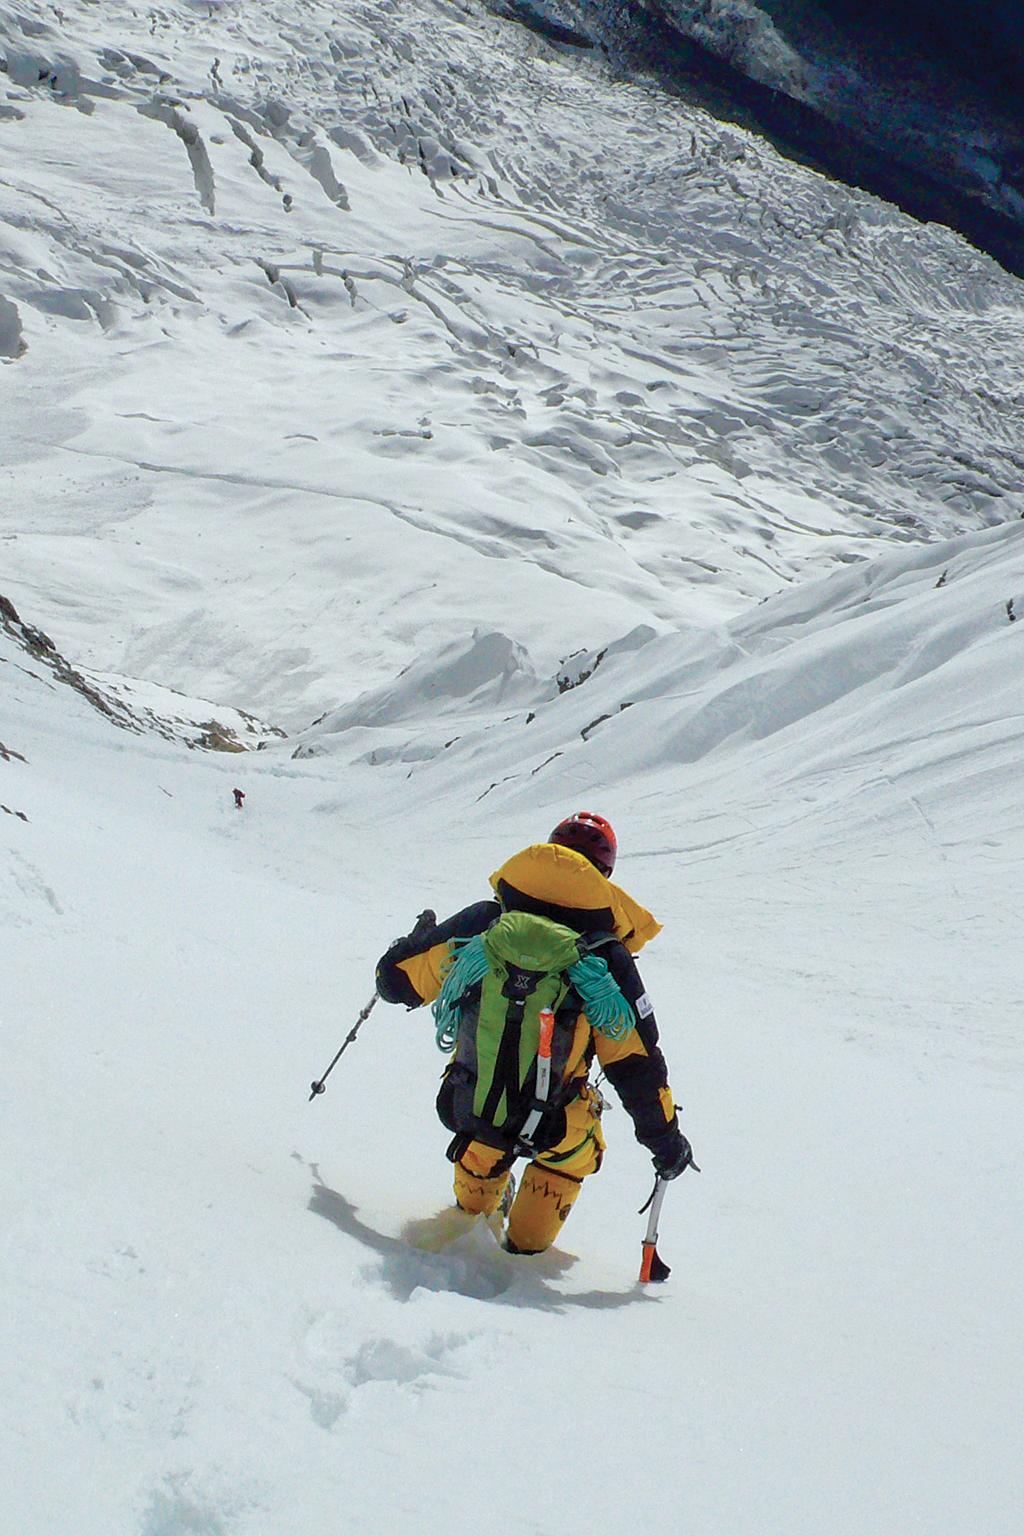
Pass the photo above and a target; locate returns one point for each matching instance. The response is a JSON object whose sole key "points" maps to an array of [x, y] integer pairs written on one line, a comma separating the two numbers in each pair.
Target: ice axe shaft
{"points": [[320, 1085], [652, 1268]]}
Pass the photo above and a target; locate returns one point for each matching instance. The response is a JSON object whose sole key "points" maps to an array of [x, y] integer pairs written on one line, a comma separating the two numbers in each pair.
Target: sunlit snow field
{"points": [[517, 441]]}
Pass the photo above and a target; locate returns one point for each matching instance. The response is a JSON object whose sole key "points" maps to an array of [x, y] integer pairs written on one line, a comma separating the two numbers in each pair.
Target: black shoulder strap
{"points": [[589, 942]]}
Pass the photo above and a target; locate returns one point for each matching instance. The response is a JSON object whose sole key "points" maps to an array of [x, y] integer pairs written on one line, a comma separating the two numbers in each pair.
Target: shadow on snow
{"points": [[451, 1251]]}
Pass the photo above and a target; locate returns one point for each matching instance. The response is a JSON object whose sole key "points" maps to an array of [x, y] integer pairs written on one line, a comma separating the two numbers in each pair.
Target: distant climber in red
{"points": [[239, 795]]}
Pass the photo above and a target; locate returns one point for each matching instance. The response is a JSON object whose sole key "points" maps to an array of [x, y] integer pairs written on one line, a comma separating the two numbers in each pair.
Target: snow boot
{"points": [[544, 1200], [479, 1195]]}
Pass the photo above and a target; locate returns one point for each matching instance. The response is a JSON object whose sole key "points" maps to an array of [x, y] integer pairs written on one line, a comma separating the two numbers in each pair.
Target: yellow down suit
{"points": [[555, 882]]}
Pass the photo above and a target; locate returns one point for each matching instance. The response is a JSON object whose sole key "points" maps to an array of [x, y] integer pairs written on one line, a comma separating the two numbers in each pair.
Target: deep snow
{"points": [[748, 446], [231, 1310]]}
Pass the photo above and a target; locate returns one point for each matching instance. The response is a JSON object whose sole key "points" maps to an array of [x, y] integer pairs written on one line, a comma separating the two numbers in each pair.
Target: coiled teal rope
{"points": [[603, 1001], [467, 966]]}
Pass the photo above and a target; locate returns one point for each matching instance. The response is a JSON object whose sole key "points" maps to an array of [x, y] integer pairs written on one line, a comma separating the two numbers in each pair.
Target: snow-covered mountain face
{"points": [[521, 438], [315, 326], [229, 1311], [917, 103]]}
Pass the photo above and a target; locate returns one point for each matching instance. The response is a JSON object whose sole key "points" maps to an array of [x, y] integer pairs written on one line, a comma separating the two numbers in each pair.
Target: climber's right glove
{"points": [[672, 1155]]}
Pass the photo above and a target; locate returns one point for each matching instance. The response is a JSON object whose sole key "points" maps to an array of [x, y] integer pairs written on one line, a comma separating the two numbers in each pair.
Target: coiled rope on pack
{"points": [[468, 965], [603, 1000]]}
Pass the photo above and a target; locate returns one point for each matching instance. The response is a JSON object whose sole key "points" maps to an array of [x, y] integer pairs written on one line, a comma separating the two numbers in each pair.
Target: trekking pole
{"points": [[424, 923], [652, 1268], [320, 1085]]}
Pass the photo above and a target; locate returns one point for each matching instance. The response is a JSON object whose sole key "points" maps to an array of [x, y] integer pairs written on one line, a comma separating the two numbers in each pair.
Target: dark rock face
{"points": [[921, 104], [980, 40], [547, 20]]}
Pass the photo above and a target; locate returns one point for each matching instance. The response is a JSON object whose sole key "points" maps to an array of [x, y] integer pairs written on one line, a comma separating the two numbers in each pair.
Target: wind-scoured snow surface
{"points": [[324, 321], [519, 440]]}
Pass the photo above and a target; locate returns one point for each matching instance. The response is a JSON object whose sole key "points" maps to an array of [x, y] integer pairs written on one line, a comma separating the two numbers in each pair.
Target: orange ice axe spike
{"points": [[652, 1268]]}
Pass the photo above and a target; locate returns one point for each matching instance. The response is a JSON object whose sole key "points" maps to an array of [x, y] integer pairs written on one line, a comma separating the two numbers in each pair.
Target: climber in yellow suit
{"points": [[566, 880]]}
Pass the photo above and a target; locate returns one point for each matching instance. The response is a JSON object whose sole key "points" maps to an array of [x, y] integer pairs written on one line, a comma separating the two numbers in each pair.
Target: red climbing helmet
{"points": [[590, 835]]}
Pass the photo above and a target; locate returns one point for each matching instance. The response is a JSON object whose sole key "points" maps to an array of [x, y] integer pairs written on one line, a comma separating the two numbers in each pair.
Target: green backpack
{"points": [[507, 1010]]}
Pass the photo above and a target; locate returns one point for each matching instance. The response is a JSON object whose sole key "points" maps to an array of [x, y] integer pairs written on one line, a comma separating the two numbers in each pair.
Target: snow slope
{"points": [[793, 598], [230, 1310], [321, 320]]}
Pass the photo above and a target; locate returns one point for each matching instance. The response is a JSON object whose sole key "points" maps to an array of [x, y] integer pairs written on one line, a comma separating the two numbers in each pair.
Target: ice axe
{"points": [[652, 1267]]}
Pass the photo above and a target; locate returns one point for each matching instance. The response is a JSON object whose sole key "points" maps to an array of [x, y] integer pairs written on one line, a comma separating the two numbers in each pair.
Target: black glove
{"points": [[672, 1156], [392, 984], [404, 946], [424, 923]]}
